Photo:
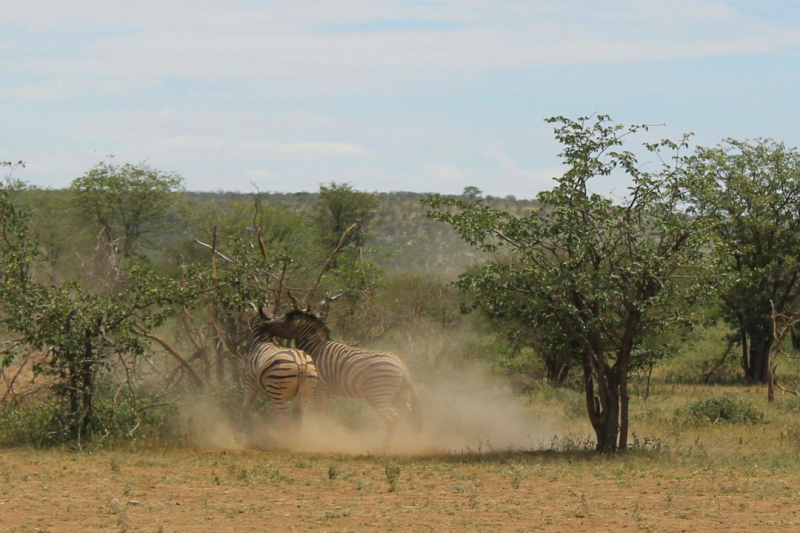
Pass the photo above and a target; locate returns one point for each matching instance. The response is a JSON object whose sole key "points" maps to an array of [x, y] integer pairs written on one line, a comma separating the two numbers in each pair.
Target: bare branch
{"points": [[217, 252], [731, 341], [280, 286], [174, 353], [336, 250]]}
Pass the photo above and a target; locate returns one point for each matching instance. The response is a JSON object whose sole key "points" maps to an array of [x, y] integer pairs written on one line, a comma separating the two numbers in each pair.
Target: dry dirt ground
{"points": [[220, 491]]}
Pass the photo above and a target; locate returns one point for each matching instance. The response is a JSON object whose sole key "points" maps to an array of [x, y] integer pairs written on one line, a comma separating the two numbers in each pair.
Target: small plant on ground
{"points": [[714, 409], [516, 478], [333, 471], [789, 405], [392, 474]]}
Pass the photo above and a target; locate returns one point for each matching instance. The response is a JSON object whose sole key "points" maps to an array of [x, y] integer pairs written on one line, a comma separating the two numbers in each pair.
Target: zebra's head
{"points": [[297, 325], [261, 323]]}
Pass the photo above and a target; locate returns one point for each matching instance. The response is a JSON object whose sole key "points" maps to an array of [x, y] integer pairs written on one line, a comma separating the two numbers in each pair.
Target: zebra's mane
{"points": [[311, 323], [259, 330]]}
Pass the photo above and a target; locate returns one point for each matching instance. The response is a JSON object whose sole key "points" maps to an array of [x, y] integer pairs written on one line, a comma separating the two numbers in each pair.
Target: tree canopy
{"points": [[751, 191], [588, 271], [126, 201]]}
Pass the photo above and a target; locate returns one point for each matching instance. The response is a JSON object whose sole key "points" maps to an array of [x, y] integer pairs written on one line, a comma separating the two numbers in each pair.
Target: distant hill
{"points": [[404, 238], [419, 244], [401, 238]]}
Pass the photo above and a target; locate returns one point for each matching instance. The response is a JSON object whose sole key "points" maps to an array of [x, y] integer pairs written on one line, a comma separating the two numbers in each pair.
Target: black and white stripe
{"points": [[380, 378], [282, 374]]}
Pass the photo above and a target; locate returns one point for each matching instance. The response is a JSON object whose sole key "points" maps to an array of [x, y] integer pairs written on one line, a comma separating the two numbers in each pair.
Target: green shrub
{"points": [[714, 409], [392, 474], [699, 353], [42, 421], [572, 401], [36, 422], [789, 405]]}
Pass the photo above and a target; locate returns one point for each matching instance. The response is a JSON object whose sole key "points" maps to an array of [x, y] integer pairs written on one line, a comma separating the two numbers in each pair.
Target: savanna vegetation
{"points": [[661, 321]]}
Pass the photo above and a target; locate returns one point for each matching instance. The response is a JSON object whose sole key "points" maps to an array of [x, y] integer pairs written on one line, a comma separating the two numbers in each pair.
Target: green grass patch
{"points": [[715, 409]]}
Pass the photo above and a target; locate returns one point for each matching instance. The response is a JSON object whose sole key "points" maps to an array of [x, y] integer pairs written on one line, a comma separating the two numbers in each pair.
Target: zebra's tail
{"points": [[414, 407], [304, 390]]}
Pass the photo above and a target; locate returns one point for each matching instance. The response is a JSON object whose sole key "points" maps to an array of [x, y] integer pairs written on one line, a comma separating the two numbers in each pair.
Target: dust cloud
{"points": [[464, 410]]}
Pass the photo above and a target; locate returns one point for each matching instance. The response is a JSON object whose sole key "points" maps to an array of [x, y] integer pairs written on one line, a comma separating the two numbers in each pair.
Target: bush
{"points": [[36, 422], [789, 405], [41, 421], [725, 408], [699, 353]]}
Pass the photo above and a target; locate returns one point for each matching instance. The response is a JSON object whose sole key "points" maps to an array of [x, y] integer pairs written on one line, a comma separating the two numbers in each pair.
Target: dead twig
{"points": [[10, 384], [731, 341], [174, 353], [789, 321], [216, 252], [313, 291]]}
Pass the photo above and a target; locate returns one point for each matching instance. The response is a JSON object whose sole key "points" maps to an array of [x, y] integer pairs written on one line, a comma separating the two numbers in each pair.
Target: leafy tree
{"points": [[607, 273], [77, 329], [752, 193], [339, 206], [126, 201], [243, 219], [472, 193], [61, 236], [551, 343]]}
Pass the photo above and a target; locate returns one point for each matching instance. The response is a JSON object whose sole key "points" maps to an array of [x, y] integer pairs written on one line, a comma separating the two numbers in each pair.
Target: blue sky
{"points": [[427, 96]]}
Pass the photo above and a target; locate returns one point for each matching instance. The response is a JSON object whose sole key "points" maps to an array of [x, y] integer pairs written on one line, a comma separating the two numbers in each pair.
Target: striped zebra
{"points": [[380, 378], [282, 374]]}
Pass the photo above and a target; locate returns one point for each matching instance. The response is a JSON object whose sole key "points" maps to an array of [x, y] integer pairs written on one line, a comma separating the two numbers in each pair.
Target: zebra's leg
{"points": [[305, 394], [322, 400], [402, 406], [245, 416], [384, 408], [249, 398], [407, 403], [284, 413]]}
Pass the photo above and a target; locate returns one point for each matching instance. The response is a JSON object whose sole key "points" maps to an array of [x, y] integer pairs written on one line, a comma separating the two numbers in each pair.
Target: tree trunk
{"points": [[624, 402], [74, 402], [743, 342], [608, 431], [603, 405], [87, 418], [796, 336], [758, 361], [87, 388], [557, 371]]}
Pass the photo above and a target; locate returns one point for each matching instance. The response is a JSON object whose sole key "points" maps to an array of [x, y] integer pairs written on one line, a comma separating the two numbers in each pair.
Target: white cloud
{"points": [[309, 149], [268, 148], [284, 47], [521, 181], [258, 174], [57, 90], [449, 173], [212, 89], [65, 89]]}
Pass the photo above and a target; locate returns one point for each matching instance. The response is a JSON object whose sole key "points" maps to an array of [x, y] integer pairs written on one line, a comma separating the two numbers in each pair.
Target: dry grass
{"points": [[685, 476]]}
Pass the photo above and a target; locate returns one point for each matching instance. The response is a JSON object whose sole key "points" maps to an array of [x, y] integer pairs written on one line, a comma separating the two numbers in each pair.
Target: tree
{"points": [[338, 207], [752, 193], [126, 201], [79, 330], [471, 192], [512, 316], [607, 273]]}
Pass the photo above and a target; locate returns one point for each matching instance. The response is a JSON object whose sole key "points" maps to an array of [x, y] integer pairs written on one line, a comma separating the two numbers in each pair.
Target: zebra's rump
{"points": [[278, 372], [353, 372]]}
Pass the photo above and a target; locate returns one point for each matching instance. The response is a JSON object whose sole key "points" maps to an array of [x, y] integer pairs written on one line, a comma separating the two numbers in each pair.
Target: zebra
{"points": [[380, 378], [282, 374]]}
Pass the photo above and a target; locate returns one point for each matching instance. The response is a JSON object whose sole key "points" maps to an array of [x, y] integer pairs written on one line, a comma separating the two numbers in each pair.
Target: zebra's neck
{"points": [[262, 337], [311, 344]]}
